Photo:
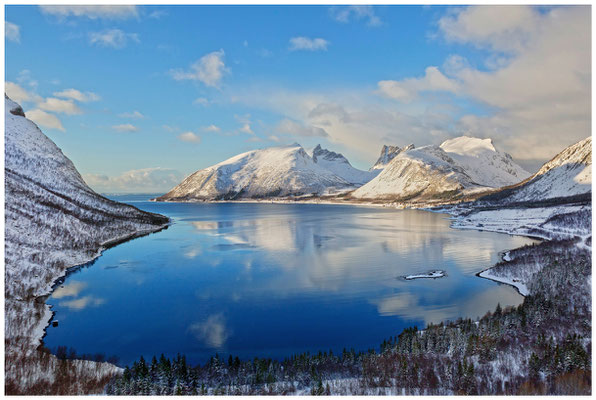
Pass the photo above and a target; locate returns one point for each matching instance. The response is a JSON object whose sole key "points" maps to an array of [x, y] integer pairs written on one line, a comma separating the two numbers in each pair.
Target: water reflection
{"points": [[212, 332], [73, 289], [272, 280]]}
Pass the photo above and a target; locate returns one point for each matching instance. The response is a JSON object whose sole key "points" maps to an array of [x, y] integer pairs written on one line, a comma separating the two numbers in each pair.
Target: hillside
{"points": [[53, 221], [567, 175]]}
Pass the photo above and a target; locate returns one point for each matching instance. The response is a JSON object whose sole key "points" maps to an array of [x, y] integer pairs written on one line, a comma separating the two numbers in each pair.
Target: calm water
{"points": [[273, 280]]}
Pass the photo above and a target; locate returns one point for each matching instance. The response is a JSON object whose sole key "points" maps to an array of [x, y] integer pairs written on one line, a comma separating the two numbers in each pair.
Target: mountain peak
{"points": [[388, 153], [468, 145]]}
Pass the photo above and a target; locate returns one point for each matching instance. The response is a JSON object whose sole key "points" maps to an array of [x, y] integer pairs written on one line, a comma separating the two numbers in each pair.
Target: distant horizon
{"points": [[146, 95]]}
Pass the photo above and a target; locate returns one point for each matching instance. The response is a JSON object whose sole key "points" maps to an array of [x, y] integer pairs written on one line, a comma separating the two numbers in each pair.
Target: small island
{"points": [[431, 274]]}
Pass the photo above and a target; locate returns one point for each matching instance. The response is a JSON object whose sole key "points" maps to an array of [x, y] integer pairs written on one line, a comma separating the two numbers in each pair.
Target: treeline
{"points": [[542, 346]]}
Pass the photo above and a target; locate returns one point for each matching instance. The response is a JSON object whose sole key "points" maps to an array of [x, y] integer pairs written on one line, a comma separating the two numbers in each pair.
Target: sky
{"points": [[138, 97]]}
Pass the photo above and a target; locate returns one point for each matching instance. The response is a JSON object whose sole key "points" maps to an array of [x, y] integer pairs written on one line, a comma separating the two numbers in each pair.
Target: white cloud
{"points": [[77, 95], [245, 122], [246, 129], [305, 43], [407, 89], [189, 137], [44, 119], [115, 38], [212, 332], [355, 13], [201, 101], [125, 128], [504, 27], [212, 128], [134, 115], [145, 180], [157, 14], [17, 93], [542, 92], [58, 105], [12, 32], [113, 12], [209, 70], [289, 127], [25, 78]]}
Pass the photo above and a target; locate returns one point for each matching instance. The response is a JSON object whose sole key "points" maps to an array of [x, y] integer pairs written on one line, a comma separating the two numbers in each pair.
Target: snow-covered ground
{"points": [[432, 274], [536, 222], [564, 222]]}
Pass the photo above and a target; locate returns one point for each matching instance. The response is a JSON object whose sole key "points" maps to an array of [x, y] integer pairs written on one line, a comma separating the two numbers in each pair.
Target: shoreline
{"points": [[445, 209], [106, 245]]}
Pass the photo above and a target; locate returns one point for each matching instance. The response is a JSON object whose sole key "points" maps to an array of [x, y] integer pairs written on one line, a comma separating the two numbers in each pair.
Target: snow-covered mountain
{"points": [[388, 153], [483, 163], [568, 174], [271, 172], [456, 167], [53, 221], [340, 166]]}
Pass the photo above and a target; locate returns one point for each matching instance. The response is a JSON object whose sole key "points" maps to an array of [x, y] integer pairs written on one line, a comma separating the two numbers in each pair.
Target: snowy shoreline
{"points": [[78, 265]]}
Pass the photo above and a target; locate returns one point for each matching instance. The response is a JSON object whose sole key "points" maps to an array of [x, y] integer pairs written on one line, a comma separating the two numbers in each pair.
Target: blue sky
{"points": [[140, 96]]}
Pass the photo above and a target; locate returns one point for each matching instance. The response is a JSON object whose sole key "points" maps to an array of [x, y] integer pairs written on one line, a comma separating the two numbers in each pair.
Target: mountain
{"points": [[457, 167], [340, 166], [53, 221], [388, 153], [483, 163], [271, 172], [567, 175]]}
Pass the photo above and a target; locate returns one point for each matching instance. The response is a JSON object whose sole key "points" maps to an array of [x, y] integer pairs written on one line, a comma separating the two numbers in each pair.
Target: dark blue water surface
{"points": [[272, 280]]}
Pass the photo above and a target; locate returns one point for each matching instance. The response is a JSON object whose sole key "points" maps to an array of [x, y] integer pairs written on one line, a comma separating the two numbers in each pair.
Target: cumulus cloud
{"points": [[245, 122], [112, 12], [212, 332], [542, 90], [125, 128], [189, 137], [504, 28], [305, 43], [12, 32], [114, 38], [60, 106], [209, 70], [77, 95], [212, 128], [407, 89], [134, 115], [289, 127], [146, 180], [18, 93], [44, 119], [355, 13]]}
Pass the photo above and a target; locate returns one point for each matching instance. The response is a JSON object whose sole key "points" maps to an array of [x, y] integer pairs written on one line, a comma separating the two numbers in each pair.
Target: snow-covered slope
{"points": [[272, 172], [456, 167], [568, 174], [53, 221], [483, 163], [340, 166], [388, 153], [423, 173]]}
